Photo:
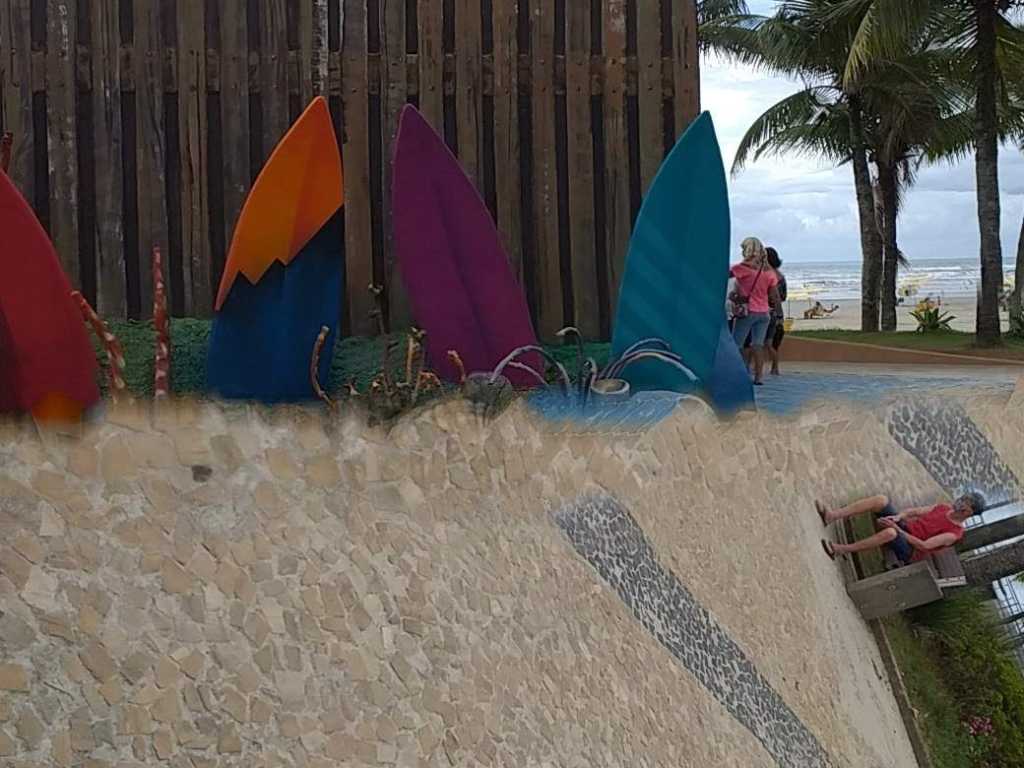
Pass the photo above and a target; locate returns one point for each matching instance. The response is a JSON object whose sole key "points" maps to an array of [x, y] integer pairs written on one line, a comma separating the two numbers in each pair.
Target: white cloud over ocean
{"points": [[807, 209]]}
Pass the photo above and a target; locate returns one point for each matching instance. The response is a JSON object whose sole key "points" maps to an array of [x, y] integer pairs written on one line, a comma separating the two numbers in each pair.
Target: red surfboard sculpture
{"points": [[461, 288], [47, 366]]}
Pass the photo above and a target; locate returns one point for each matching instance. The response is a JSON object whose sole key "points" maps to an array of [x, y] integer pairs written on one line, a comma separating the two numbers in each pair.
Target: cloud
{"points": [[807, 208]]}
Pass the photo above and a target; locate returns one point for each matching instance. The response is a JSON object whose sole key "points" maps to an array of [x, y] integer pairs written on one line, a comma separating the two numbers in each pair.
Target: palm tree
{"points": [[899, 114], [1001, 563], [824, 119], [1016, 304], [919, 114], [980, 30]]}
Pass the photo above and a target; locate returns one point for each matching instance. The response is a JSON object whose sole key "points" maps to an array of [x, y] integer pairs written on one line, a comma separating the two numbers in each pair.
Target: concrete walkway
{"points": [[803, 383]]}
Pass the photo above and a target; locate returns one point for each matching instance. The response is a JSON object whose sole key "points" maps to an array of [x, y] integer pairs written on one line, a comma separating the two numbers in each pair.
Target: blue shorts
{"points": [[755, 326], [899, 546]]}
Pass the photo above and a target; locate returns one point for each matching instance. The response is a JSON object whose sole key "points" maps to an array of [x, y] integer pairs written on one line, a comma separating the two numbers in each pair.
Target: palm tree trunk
{"points": [[890, 249], [987, 171], [1001, 563], [992, 533], [1017, 297], [1013, 619], [870, 240]]}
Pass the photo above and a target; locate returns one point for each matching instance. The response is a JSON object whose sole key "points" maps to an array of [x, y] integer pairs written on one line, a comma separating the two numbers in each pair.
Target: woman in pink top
{"points": [[758, 284]]}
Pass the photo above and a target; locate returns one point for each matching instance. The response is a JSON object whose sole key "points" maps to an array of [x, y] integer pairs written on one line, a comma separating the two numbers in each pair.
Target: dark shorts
{"points": [[778, 334], [899, 546]]}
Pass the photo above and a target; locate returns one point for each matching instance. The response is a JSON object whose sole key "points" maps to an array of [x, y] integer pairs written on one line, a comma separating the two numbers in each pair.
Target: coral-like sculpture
{"points": [[115, 353], [314, 367], [388, 397], [162, 325]]}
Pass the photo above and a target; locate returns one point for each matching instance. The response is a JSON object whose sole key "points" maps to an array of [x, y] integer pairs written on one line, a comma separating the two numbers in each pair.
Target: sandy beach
{"points": [[847, 317]]}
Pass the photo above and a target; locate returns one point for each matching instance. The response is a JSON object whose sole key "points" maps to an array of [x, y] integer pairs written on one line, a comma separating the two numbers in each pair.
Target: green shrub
{"points": [[979, 670], [932, 319], [356, 359]]}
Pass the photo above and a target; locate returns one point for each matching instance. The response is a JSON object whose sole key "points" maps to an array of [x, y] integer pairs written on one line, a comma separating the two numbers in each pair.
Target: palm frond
{"points": [[715, 10], [805, 121], [884, 27]]}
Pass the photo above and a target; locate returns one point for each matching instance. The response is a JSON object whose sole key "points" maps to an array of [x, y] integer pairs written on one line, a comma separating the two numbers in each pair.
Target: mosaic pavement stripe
{"points": [[952, 449], [605, 534]]}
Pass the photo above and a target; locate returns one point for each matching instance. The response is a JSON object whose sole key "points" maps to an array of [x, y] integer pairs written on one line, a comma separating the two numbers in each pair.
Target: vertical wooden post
{"points": [[392, 99], [581, 170], [192, 135], [319, 53], [16, 47], [685, 63], [650, 95], [305, 51], [274, 73], [356, 152], [468, 87], [61, 134], [111, 291], [616, 140], [431, 61], [149, 143], [506, 129], [550, 317], [234, 109]]}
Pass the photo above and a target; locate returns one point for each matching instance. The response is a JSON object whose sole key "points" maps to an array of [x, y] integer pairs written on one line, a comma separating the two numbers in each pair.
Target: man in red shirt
{"points": [[913, 534]]}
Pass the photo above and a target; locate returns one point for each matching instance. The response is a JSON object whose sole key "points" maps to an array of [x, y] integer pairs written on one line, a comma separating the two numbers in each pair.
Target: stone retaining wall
{"points": [[216, 586]]}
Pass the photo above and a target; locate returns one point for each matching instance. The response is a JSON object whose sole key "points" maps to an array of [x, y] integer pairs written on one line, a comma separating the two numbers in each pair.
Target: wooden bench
{"points": [[909, 586]]}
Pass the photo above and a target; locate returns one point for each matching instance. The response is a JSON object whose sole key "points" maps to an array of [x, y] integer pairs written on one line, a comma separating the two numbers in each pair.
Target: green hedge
{"points": [[355, 359]]}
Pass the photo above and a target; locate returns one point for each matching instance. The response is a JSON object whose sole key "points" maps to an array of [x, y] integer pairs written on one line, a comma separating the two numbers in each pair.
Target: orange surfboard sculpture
{"points": [[284, 275], [299, 189]]}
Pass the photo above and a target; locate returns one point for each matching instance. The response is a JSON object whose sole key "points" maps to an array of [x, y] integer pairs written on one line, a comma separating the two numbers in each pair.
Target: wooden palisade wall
{"points": [[144, 122]]}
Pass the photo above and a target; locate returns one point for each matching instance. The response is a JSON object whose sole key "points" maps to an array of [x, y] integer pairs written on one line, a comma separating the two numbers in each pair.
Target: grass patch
{"points": [[950, 342], [938, 713], [956, 665]]}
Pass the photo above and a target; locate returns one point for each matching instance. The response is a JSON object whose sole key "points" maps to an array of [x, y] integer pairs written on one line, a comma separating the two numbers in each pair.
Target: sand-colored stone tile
{"points": [[117, 461], [14, 677], [30, 729], [323, 471]]}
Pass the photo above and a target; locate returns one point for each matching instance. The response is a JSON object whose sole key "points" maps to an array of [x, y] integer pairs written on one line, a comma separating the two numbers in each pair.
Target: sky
{"points": [[807, 209]]}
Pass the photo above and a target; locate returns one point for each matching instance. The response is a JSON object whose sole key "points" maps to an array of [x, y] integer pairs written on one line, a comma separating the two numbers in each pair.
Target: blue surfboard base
{"points": [[678, 263], [263, 337], [728, 386]]}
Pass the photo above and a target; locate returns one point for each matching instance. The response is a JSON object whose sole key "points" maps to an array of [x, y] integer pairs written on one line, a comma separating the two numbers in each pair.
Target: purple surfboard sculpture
{"points": [[461, 288]]}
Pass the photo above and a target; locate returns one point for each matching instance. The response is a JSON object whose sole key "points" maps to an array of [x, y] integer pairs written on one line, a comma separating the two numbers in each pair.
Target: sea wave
{"points": [[842, 280]]}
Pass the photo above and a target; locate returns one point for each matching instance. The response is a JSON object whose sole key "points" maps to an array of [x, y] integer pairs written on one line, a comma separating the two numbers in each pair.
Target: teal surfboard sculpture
{"points": [[677, 270]]}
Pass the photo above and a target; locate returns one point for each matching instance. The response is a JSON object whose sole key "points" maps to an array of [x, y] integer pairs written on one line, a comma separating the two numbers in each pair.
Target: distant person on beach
{"points": [[755, 294], [819, 311], [911, 535], [776, 327]]}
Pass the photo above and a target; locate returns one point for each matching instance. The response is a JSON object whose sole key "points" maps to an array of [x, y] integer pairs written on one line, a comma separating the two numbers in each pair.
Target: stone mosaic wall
{"points": [[954, 450], [214, 586]]}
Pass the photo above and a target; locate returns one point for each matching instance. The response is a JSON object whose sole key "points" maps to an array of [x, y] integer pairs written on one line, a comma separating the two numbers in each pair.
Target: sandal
{"points": [[828, 549], [822, 512]]}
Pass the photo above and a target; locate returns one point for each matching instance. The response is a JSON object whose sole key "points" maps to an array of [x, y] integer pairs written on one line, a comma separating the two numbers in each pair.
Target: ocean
{"points": [[841, 279]]}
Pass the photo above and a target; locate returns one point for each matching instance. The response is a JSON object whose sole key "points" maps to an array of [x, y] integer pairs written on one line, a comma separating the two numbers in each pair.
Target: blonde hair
{"points": [[752, 248]]}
